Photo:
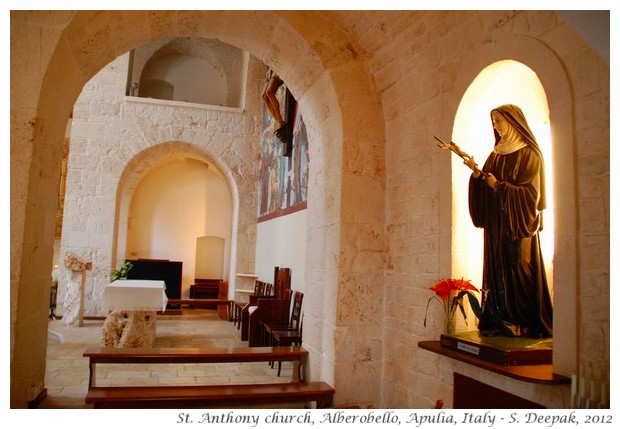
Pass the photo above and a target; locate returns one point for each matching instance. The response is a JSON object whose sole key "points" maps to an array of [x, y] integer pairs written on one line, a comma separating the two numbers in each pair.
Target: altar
{"points": [[132, 306]]}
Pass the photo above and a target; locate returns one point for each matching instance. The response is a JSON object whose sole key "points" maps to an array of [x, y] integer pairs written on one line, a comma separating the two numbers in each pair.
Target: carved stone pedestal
{"points": [[129, 329]]}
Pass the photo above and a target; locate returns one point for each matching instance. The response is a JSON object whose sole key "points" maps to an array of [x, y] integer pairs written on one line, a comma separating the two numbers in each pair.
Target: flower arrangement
{"points": [[451, 293], [121, 272]]}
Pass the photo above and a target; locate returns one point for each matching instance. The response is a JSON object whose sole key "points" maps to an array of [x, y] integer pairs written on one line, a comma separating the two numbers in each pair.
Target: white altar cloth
{"points": [[135, 295]]}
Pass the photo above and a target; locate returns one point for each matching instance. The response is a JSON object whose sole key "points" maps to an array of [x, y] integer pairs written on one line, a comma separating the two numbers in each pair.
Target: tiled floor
{"points": [[67, 371]]}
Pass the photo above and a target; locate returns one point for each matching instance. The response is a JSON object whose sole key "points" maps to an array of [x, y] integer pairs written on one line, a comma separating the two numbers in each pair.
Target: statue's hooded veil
{"points": [[516, 118]]}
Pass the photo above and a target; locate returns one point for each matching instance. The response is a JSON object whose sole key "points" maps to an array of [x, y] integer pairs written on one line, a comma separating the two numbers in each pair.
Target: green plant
{"points": [[451, 293], [121, 272]]}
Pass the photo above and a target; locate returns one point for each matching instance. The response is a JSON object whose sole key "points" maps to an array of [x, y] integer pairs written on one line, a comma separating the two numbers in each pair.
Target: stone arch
{"points": [[552, 74], [342, 114], [140, 166]]}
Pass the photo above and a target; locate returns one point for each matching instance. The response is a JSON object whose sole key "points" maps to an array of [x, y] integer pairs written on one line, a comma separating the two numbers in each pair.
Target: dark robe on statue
{"points": [[516, 298]]}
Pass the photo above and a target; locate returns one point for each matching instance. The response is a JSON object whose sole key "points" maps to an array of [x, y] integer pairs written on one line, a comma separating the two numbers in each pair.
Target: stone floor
{"points": [[67, 371]]}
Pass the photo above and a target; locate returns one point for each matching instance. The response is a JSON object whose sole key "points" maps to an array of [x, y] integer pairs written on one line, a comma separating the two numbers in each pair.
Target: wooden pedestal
{"points": [[501, 350]]}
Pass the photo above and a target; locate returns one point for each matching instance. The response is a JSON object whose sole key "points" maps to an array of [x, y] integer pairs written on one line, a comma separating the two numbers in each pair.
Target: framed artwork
{"points": [[283, 181]]}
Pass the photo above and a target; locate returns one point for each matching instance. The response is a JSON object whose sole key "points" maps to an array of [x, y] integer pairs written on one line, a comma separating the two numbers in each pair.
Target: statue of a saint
{"points": [[508, 202]]}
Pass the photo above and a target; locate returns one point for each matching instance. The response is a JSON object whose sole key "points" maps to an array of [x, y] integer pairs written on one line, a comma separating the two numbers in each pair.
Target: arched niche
{"points": [[169, 195], [183, 78], [503, 82], [553, 78]]}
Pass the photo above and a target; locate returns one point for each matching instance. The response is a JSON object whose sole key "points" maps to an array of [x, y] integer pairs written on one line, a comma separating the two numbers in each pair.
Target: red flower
{"points": [[451, 301], [443, 288]]}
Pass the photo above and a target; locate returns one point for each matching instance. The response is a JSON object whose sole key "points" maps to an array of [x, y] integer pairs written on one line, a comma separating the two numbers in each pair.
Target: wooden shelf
{"points": [[540, 374]]}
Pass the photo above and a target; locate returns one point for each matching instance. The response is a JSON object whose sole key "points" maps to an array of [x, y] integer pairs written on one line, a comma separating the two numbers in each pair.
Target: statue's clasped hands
{"points": [[491, 181], [489, 178]]}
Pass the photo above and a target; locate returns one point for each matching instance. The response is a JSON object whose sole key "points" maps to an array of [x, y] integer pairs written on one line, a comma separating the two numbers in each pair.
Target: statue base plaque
{"points": [[501, 350]]}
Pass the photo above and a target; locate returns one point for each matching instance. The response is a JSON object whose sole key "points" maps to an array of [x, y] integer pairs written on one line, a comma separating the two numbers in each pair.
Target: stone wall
{"points": [[114, 142]]}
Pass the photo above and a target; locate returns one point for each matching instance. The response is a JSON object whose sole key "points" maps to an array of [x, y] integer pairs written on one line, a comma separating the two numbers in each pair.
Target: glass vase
{"points": [[449, 327]]}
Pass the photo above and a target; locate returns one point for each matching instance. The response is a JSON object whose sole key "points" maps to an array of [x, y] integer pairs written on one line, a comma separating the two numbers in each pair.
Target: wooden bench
{"points": [[224, 306], [210, 396], [198, 395], [199, 301], [297, 355]]}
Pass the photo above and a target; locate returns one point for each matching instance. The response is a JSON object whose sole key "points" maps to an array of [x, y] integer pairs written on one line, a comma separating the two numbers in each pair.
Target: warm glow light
{"points": [[504, 82], [543, 136]]}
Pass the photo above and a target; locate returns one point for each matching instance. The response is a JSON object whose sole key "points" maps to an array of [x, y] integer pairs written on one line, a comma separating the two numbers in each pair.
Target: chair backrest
{"points": [[268, 289], [287, 297], [257, 286], [298, 298], [261, 289], [281, 281]]}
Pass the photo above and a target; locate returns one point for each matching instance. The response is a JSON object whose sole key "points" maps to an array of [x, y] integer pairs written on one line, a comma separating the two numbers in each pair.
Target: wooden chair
{"points": [[268, 289], [281, 281], [268, 310], [291, 325], [238, 306], [287, 338], [260, 289], [282, 291], [275, 311]]}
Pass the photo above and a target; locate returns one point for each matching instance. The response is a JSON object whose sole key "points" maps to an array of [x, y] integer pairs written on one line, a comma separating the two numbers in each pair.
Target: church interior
{"points": [[145, 135]]}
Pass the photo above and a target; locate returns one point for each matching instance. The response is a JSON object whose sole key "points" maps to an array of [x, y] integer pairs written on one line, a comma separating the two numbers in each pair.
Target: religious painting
{"points": [[283, 182]]}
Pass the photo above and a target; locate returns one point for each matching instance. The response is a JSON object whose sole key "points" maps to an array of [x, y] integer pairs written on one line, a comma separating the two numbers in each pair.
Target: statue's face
{"points": [[500, 123]]}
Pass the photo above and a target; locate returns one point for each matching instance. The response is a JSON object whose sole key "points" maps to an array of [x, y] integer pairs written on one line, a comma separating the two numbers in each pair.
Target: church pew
{"points": [[162, 396], [223, 305], [236, 395], [182, 355]]}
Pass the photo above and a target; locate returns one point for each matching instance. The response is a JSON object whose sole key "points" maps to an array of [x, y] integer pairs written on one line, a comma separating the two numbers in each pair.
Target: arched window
{"points": [[504, 82]]}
